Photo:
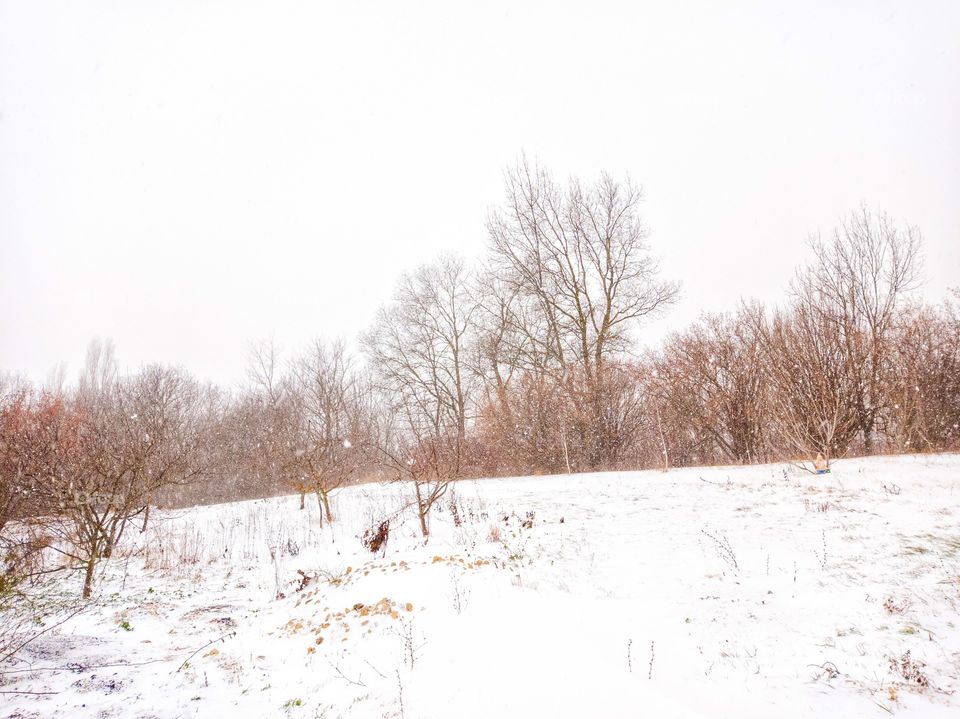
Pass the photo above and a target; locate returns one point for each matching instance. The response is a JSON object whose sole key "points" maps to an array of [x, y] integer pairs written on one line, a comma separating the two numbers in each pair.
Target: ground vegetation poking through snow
{"points": [[739, 591]]}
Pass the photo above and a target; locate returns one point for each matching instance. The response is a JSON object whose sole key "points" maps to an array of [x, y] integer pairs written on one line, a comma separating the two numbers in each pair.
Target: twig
{"points": [[400, 687], [212, 641], [650, 670], [888, 710], [724, 550], [822, 559], [384, 676], [76, 668], [43, 631], [409, 648], [828, 667], [14, 691], [802, 465], [345, 678]]}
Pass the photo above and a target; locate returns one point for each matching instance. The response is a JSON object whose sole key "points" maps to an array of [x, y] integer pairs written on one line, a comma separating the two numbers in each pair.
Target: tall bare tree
{"points": [[265, 422], [418, 348], [579, 258], [857, 281]]}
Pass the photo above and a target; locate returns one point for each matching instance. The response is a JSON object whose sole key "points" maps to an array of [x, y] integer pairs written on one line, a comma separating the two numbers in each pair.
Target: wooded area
{"points": [[531, 361]]}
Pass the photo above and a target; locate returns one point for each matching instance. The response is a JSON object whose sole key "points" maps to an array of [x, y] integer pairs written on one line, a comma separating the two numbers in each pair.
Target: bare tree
{"points": [[924, 393], [175, 415], [667, 438], [265, 423], [37, 435], [330, 436], [813, 380], [710, 378], [579, 258], [418, 348], [524, 415], [136, 436], [857, 281]]}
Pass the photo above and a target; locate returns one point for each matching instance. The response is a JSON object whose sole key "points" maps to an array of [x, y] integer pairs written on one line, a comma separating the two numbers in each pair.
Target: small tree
{"points": [[37, 436], [265, 424], [813, 380], [135, 436], [175, 416], [710, 379], [329, 437], [924, 406]]}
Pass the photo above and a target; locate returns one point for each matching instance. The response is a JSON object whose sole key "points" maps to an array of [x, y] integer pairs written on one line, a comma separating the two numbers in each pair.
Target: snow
{"points": [[706, 592]]}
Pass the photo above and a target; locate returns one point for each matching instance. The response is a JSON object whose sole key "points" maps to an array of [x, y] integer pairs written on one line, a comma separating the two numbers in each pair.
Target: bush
{"points": [[375, 538]]}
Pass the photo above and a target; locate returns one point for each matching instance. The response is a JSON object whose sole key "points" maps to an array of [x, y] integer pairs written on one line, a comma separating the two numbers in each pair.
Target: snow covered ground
{"points": [[720, 592]]}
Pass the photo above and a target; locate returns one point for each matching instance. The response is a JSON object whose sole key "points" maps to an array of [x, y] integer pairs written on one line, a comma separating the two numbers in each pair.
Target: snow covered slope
{"points": [[720, 592]]}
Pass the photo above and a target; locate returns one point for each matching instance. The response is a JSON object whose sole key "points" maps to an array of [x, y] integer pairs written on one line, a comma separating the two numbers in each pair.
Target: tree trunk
{"points": [[146, 518], [320, 505], [116, 533], [88, 576], [302, 498], [868, 436], [563, 443], [326, 505], [663, 443], [421, 511]]}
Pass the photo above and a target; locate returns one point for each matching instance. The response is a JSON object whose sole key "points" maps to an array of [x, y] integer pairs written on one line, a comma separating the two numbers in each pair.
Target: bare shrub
{"points": [[724, 550], [910, 670], [411, 646], [709, 381], [460, 594], [923, 411], [375, 538], [812, 380], [891, 606]]}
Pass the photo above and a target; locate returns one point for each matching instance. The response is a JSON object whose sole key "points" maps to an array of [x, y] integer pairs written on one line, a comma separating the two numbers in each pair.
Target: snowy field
{"points": [[721, 592]]}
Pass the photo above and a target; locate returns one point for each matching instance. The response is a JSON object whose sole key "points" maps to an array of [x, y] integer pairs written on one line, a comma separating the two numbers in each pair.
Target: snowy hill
{"points": [[733, 591]]}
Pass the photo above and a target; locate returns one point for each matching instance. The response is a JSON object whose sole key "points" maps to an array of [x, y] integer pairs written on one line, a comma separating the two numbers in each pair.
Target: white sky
{"points": [[185, 177]]}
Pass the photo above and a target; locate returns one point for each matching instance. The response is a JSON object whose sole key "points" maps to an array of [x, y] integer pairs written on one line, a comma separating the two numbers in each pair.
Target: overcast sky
{"points": [[187, 177]]}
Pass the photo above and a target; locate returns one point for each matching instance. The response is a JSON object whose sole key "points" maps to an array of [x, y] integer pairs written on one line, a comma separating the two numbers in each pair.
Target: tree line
{"points": [[529, 361]]}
